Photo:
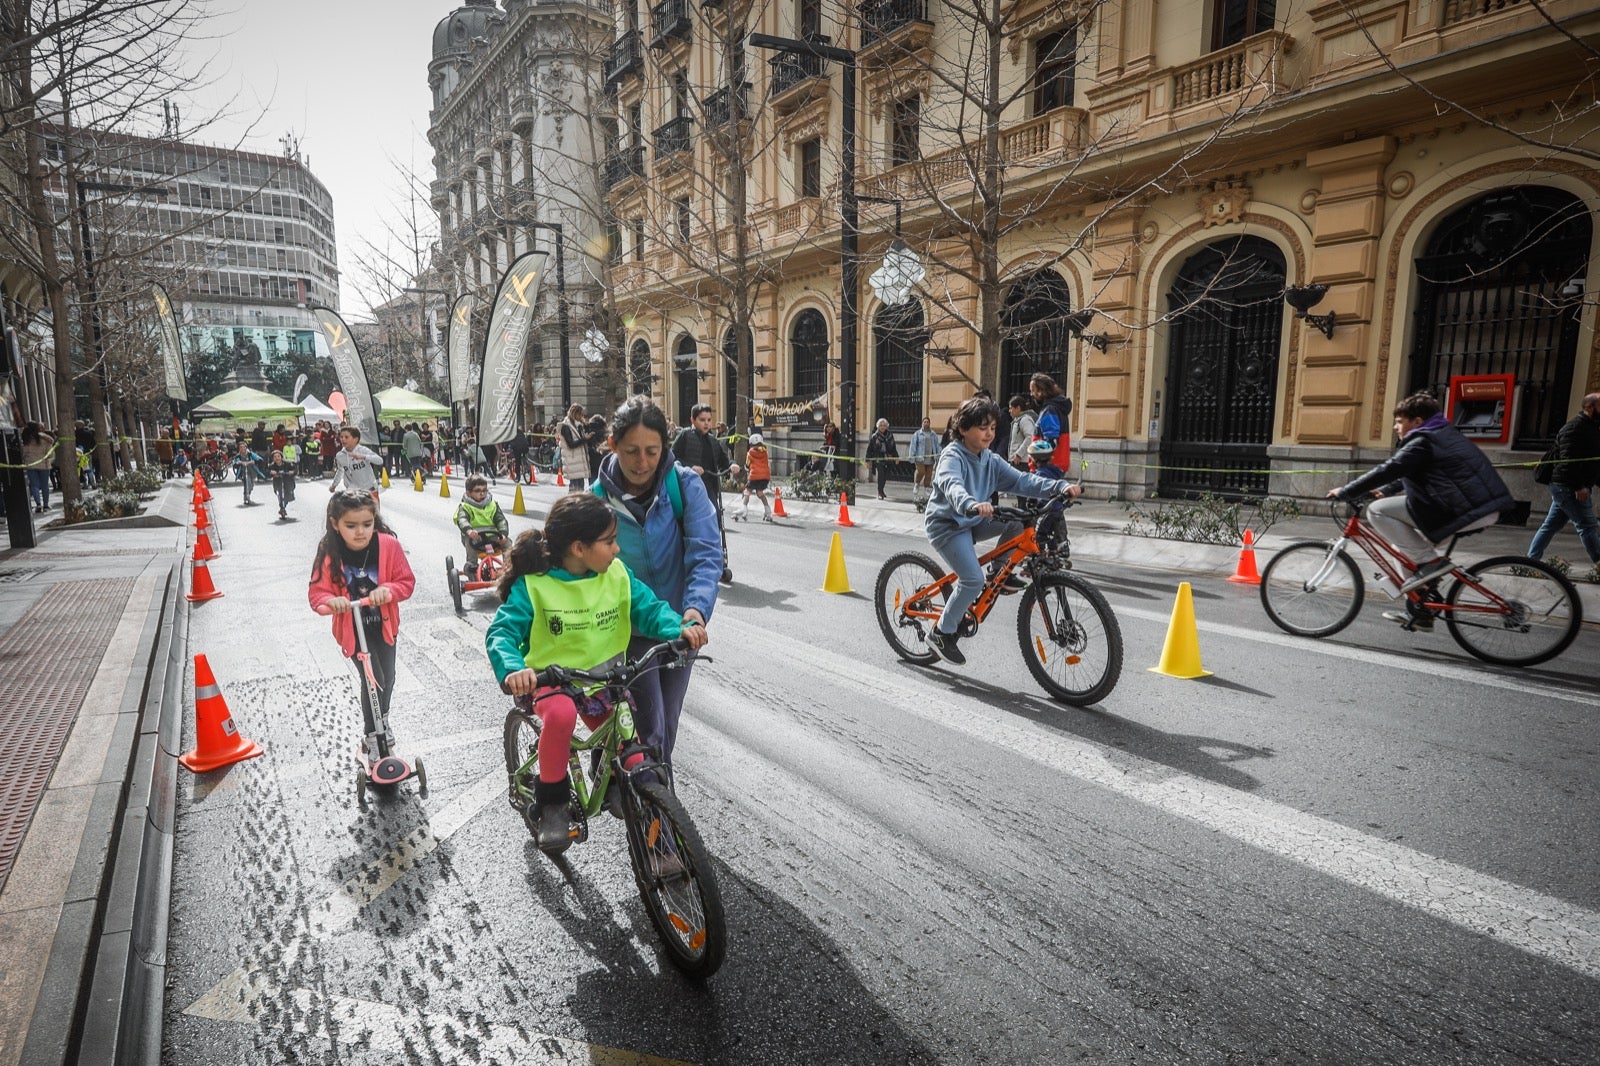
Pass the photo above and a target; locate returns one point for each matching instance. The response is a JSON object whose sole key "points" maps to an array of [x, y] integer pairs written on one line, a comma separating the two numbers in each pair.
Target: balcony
{"points": [[627, 57], [1251, 69], [524, 112], [727, 105], [791, 72], [622, 166], [1054, 134], [669, 21], [438, 192], [883, 19], [674, 137]]}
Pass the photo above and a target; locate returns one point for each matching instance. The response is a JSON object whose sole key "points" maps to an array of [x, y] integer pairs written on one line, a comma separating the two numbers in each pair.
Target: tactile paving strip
{"points": [[48, 660]]}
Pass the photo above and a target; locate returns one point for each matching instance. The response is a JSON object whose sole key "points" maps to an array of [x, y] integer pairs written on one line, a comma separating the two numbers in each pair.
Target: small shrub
{"points": [[816, 485], [1209, 520], [110, 504], [142, 482]]}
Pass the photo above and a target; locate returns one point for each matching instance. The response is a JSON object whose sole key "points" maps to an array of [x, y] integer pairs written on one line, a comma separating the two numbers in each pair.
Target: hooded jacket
{"points": [[681, 562], [1449, 483], [394, 574]]}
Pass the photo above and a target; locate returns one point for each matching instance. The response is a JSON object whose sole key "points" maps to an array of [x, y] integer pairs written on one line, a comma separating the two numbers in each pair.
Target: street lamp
{"points": [[849, 225], [561, 308]]}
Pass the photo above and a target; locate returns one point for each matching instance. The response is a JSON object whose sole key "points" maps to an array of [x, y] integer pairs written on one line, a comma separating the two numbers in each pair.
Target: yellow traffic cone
{"points": [[416, 481], [444, 485], [837, 579], [1180, 656], [517, 506], [383, 477]]}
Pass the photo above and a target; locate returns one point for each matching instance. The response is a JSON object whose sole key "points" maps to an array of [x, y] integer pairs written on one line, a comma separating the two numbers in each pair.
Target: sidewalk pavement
{"points": [[87, 655], [93, 658]]}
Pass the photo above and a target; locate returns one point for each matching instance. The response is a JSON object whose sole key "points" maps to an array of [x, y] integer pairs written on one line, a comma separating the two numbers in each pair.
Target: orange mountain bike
{"points": [[1069, 637]]}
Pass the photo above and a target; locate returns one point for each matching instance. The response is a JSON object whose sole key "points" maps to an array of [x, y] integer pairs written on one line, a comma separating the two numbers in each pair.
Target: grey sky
{"points": [[350, 77]]}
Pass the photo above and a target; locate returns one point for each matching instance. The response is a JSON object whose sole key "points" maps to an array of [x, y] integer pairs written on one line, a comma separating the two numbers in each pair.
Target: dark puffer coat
{"points": [[1448, 481], [1578, 452]]}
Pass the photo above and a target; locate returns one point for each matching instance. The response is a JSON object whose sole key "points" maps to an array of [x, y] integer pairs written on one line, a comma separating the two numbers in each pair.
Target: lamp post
{"points": [[849, 226], [561, 309]]}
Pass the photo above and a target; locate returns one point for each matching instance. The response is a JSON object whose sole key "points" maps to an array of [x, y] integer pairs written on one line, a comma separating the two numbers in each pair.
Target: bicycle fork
{"points": [[1315, 581]]}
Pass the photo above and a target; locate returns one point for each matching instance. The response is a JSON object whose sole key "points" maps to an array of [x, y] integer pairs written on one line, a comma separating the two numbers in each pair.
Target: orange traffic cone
{"points": [[201, 489], [217, 739], [777, 505], [200, 586], [844, 513], [533, 474], [447, 470], [202, 548], [1245, 573], [561, 482], [201, 519]]}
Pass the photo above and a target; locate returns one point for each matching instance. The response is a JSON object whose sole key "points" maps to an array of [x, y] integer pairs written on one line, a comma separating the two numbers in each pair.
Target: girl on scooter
{"points": [[359, 556]]}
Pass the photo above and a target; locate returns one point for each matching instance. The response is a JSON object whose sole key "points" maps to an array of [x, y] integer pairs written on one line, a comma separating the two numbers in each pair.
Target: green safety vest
{"points": [[290, 453], [580, 624], [480, 517], [313, 446]]}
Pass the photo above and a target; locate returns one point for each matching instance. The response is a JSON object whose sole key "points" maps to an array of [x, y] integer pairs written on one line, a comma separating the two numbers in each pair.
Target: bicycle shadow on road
{"points": [[1209, 758], [784, 994]]}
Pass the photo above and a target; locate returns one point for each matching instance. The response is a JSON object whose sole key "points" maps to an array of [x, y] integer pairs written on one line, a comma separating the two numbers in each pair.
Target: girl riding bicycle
{"points": [[959, 512], [567, 601]]}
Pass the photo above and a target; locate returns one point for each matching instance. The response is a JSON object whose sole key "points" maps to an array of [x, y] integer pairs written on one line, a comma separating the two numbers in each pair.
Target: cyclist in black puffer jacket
{"points": [[1449, 487]]}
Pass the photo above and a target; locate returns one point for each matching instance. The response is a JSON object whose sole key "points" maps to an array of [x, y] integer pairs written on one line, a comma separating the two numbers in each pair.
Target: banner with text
{"points": [[510, 323], [789, 411], [171, 352], [359, 409], [458, 346]]}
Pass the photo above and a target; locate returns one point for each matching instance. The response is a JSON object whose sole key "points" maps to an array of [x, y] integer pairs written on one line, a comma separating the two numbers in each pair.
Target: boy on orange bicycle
{"points": [[959, 514]]}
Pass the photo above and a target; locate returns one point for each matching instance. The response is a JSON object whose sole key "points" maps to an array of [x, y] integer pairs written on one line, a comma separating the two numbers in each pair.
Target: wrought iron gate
{"points": [[1222, 370], [898, 341]]}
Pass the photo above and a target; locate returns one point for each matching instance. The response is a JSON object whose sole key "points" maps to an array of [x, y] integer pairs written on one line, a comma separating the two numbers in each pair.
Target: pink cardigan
{"points": [[394, 574]]}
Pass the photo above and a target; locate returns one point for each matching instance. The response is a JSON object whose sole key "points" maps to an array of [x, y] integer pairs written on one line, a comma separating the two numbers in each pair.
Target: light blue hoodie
{"points": [[962, 480]]}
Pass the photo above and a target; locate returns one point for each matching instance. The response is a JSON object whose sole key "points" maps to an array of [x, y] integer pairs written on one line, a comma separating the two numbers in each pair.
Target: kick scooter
{"points": [[378, 766]]}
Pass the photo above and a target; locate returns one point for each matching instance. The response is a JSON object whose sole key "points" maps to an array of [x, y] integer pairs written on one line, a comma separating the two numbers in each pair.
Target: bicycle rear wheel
{"points": [[675, 878], [901, 578], [1310, 590], [1070, 639], [1513, 611]]}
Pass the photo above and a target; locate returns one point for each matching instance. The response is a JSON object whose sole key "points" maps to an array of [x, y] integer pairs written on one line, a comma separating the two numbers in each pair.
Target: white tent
{"points": [[317, 411]]}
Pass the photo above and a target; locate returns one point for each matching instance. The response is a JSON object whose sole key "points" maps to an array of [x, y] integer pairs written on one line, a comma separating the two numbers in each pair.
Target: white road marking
{"points": [[1520, 917]]}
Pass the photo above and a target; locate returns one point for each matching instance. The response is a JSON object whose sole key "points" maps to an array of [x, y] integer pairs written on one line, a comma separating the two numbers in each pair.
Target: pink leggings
{"points": [[558, 716]]}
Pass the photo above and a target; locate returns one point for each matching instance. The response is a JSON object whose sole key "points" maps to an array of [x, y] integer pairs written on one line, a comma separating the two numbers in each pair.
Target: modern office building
{"points": [[1171, 167], [517, 135]]}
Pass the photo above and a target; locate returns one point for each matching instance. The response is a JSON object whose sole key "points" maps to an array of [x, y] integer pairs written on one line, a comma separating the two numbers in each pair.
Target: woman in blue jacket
{"points": [[667, 534]]}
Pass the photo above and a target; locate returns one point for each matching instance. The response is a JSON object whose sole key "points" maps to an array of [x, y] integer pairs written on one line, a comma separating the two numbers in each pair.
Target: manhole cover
{"points": [[20, 573]]}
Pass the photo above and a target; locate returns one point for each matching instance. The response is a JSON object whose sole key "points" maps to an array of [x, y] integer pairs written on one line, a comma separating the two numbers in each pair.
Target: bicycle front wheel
{"points": [[522, 748], [1070, 639], [675, 879], [1311, 590], [906, 624], [1513, 611]]}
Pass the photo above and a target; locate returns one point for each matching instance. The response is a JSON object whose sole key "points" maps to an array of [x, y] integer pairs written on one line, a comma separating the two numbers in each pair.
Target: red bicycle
{"points": [[1509, 609]]}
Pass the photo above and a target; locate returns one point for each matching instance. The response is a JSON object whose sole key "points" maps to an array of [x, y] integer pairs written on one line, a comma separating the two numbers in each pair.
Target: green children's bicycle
{"points": [[671, 866]]}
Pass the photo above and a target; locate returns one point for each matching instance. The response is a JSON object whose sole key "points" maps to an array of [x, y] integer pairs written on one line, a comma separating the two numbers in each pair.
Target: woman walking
{"points": [[573, 435]]}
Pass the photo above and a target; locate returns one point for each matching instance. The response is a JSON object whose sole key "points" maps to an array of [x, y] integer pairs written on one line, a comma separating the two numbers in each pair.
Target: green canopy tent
{"points": [[245, 405], [403, 405]]}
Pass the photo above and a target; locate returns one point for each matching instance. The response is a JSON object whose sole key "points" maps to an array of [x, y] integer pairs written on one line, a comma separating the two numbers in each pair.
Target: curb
{"points": [[108, 958]]}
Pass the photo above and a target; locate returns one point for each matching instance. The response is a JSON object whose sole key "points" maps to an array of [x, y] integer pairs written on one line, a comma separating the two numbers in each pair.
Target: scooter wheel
{"points": [[422, 779], [361, 789]]}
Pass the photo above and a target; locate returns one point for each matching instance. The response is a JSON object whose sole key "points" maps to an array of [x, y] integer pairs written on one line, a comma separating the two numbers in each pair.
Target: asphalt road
{"points": [[1366, 849]]}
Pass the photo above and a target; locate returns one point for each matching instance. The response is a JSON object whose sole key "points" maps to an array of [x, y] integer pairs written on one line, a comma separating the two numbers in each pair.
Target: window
{"points": [[635, 126], [680, 208], [808, 353], [638, 240], [904, 131], [811, 167], [680, 95], [809, 18], [1234, 20], [613, 242], [1054, 57]]}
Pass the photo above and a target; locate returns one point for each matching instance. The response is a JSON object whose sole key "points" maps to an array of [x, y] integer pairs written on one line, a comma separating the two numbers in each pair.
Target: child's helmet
{"points": [[755, 439], [1042, 448]]}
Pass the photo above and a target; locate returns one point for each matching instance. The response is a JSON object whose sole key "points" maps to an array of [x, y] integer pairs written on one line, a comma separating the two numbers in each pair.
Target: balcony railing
{"points": [[1058, 132], [622, 165], [1253, 65], [668, 20], [627, 57], [1458, 11], [728, 105], [880, 18], [674, 136], [790, 70]]}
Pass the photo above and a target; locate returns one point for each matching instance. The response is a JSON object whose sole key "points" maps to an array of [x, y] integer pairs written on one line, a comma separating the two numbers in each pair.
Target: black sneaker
{"points": [[554, 832], [944, 645], [1417, 623], [1428, 571]]}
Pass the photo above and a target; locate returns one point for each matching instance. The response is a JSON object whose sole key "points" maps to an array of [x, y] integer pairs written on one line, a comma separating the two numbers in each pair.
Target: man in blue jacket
{"points": [[1436, 485]]}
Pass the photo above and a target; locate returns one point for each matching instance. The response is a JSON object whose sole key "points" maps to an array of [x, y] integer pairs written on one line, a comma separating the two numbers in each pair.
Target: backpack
{"points": [[1545, 469]]}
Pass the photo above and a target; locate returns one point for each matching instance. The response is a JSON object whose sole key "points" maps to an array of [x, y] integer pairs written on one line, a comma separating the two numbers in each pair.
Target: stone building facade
{"points": [[1172, 168]]}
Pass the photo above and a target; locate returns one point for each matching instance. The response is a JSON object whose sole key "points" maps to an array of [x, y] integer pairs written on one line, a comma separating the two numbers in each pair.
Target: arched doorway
{"points": [[730, 374], [1222, 369], [1034, 333], [686, 365], [898, 340], [639, 374], [1499, 291], [808, 353]]}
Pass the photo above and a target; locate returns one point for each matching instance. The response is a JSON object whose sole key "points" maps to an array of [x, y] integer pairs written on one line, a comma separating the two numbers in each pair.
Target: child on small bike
{"points": [[281, 470], [959, 513], [482, 521], [567, 601], [359, 556]]}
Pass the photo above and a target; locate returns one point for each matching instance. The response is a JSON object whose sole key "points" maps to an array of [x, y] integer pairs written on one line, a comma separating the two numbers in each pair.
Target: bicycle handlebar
{"points": [[555, 676], [1035, 511]]}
